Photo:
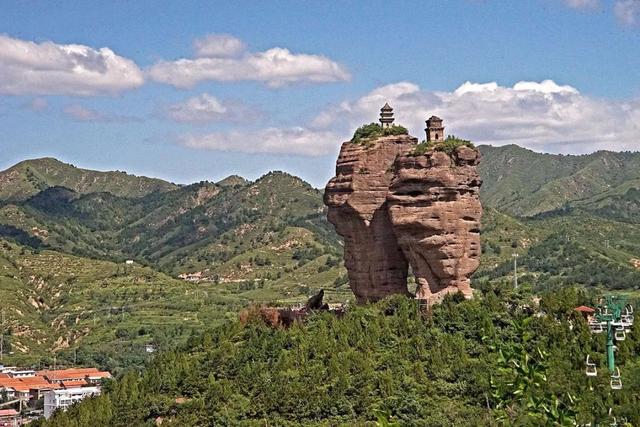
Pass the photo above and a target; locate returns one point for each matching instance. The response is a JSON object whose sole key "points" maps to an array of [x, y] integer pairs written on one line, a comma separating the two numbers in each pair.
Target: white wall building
{"points": [[62, 399]]}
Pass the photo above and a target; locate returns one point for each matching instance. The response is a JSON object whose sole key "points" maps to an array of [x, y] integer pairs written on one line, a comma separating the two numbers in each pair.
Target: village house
{"points": [[191, 277], [63, 398], [8, 418]]}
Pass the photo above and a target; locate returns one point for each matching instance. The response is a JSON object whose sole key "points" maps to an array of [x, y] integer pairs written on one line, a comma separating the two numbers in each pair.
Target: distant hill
{"points": [[65, 233], [29, 177], [525, 183]]}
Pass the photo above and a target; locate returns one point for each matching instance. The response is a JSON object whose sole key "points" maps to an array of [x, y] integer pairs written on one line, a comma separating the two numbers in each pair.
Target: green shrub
{"points": [[448, 146], [372, 131]]}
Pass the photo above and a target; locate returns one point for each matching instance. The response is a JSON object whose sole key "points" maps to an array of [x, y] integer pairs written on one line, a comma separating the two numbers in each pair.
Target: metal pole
{"points": [[515, 271], [611, 362], [2, 338]]}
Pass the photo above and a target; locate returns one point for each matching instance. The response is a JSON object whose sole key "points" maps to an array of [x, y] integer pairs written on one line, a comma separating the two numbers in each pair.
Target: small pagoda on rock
{"points": [[434, 129], [386, 116]]}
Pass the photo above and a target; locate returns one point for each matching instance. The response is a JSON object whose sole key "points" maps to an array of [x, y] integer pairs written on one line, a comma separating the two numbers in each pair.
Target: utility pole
{"points": [[2, 337], [515, 271]]}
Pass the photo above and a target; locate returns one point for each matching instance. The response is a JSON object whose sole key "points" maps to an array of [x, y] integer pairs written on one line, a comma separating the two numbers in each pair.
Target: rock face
{"points": [[394, 209], [435, 212], [357, 201]]}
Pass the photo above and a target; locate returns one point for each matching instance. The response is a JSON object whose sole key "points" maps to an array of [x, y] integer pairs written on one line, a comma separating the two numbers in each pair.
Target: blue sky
{"points": [[201, 90]]}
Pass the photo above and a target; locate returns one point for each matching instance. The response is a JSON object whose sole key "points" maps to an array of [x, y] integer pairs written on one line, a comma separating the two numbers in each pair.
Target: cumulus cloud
{"points": [[582, 4], [294, 140], [540, 115], [218, 45], [83, 114], [206, 108], [544, 116], [275, 67], [627, 12], [48, 68]]}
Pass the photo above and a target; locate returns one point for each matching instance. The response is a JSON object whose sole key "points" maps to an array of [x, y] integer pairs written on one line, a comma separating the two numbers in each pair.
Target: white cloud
{"points": [[276, 67], [627, 12], [539, 115], [582, 4], [218, 45], [206, 108], [48, 68], [83, 114], [295, 140], [203, 108]]}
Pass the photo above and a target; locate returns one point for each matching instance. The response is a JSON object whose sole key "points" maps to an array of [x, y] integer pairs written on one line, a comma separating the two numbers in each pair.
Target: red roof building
{"points": [[8, 418]]}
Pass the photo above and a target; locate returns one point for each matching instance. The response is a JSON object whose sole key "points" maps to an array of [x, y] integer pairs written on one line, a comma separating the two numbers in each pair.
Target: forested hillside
{"points": [[63, 248], [525, 183], [30, 177], [501, 359]]}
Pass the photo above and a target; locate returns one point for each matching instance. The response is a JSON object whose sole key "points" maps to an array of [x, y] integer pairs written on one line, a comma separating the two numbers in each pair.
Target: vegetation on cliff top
{"points": [[501, 359], [367, 133], [448, 145]]}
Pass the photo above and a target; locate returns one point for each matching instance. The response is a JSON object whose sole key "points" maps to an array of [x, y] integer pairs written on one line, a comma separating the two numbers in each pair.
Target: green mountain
{"points": [[571, 219], [28, 178], [524, 183]]}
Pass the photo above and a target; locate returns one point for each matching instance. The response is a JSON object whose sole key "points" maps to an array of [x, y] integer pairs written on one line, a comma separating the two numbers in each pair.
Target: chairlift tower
{"points": [[615, 317]]}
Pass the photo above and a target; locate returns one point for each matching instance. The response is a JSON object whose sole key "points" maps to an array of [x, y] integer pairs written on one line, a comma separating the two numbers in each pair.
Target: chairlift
{"points": [[596, 327], [591, 369], [616, 382], [620, 334]]}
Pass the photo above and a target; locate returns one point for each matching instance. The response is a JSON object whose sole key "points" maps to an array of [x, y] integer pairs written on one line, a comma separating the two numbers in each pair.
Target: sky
{"points": [[189, 91]]}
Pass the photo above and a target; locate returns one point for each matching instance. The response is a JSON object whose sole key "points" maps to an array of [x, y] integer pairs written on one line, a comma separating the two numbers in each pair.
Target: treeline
{"points": [[500, 359]]}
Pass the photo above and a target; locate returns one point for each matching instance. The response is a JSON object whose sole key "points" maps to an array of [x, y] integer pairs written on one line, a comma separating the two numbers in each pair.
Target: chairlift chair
{"points": [[616, 382], [591, 369], [620, 334], [596, 327]]}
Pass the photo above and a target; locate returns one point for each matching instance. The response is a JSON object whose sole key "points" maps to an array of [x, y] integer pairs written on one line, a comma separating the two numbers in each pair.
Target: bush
{"points": [[373, 131], [448, 146]]}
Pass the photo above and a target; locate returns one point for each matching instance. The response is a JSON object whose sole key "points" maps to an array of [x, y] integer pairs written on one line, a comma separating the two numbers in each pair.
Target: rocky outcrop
{"points": [[435, 212], [357, 202], [395, 210]]}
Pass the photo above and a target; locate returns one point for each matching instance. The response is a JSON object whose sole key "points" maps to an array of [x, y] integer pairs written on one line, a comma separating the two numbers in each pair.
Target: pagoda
{"points": [[386, 116], [435, 129]]}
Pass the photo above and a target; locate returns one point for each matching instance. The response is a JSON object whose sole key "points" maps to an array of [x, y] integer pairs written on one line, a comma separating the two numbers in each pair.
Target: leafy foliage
{"points": [[448, 145], [372, 131], [498, 359]]}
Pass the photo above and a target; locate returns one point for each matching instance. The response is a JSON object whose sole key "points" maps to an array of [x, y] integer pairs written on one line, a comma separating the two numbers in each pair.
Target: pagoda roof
{"points": [[386, 107], [584, 309]]}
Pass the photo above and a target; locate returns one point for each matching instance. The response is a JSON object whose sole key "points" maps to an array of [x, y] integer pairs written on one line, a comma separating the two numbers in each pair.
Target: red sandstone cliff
{"points": [[435, 212], [356, 198], [394, 210]]}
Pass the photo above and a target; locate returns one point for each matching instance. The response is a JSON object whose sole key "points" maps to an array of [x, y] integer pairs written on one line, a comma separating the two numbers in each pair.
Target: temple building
{"points": [[386, 116], [434, 129]]}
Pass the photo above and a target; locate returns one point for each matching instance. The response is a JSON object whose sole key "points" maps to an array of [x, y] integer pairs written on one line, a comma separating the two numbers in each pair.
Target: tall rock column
{"points": [[435, 211], [357, 202]]}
